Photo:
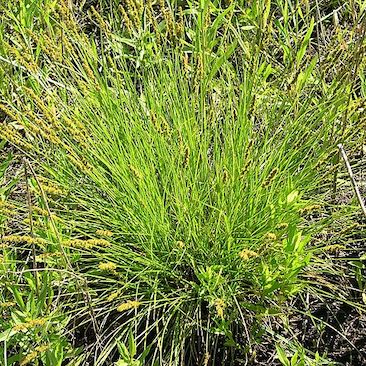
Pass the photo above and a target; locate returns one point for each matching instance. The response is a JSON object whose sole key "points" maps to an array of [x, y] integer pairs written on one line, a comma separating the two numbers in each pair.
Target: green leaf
{"points": [[305, 43], [220, 61], [292, 196], [145, 353], [132, 345], [305, 76], [266, 13], [282, 356], [18, 297], [121, 363], [219, 20], [123, 351], [7, 334], [5, 164]]}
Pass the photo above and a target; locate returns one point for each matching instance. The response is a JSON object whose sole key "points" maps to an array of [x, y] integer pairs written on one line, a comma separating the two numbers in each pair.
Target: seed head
{"points": [[186, 157], [22, 239], [126, 19], [180, 244], [128, 305], [309, 209], [113, 296], [135, 172], [107, 266], [7, 304], [270, 236], [29, 358], [220, 307], [104, 233], [270, 178], [30, 324], [225, 175], [86, 244], [247, 254]]}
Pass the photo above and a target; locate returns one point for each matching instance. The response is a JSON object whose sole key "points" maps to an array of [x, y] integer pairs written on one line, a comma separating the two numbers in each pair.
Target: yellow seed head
{"points": [[39, 210], [134, 9], [135, 172], [13, 136], [68, 46], [126, 19], [165, 127], [40, 128], [89, 72], [113, 296], [99, 19], [6, 212], [270, 178], [128, 305], [46, 110], [8, 112], [7, 304], [29, 358], [44, 256], [169, 20], [37, 322], [220, 307], [104, 233], [80, 163], [246, 254], [248, 149], [22, 239], [30, 324], [41, 349], [76, 129], [186, 63], [199, 69], [270, 236], [180, 244], [333, 248], [52, 190], [245, 168], [107, 266], [225, 176], [51, 49], [66, 15], [180, 23], [86, 244], [23, 59], [152, 19], [310, 208], [186, 156]]}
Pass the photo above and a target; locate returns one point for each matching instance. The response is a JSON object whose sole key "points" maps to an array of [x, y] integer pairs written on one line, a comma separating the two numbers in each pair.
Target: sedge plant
{"points": [[184, 181]]}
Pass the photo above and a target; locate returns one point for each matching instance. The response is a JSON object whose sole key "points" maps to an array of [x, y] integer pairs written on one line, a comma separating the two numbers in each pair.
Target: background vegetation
{"points": [[172, 191]]}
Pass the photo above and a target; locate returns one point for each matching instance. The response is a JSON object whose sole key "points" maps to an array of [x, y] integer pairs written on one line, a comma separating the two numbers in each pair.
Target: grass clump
{"points": [[189, 185]]}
